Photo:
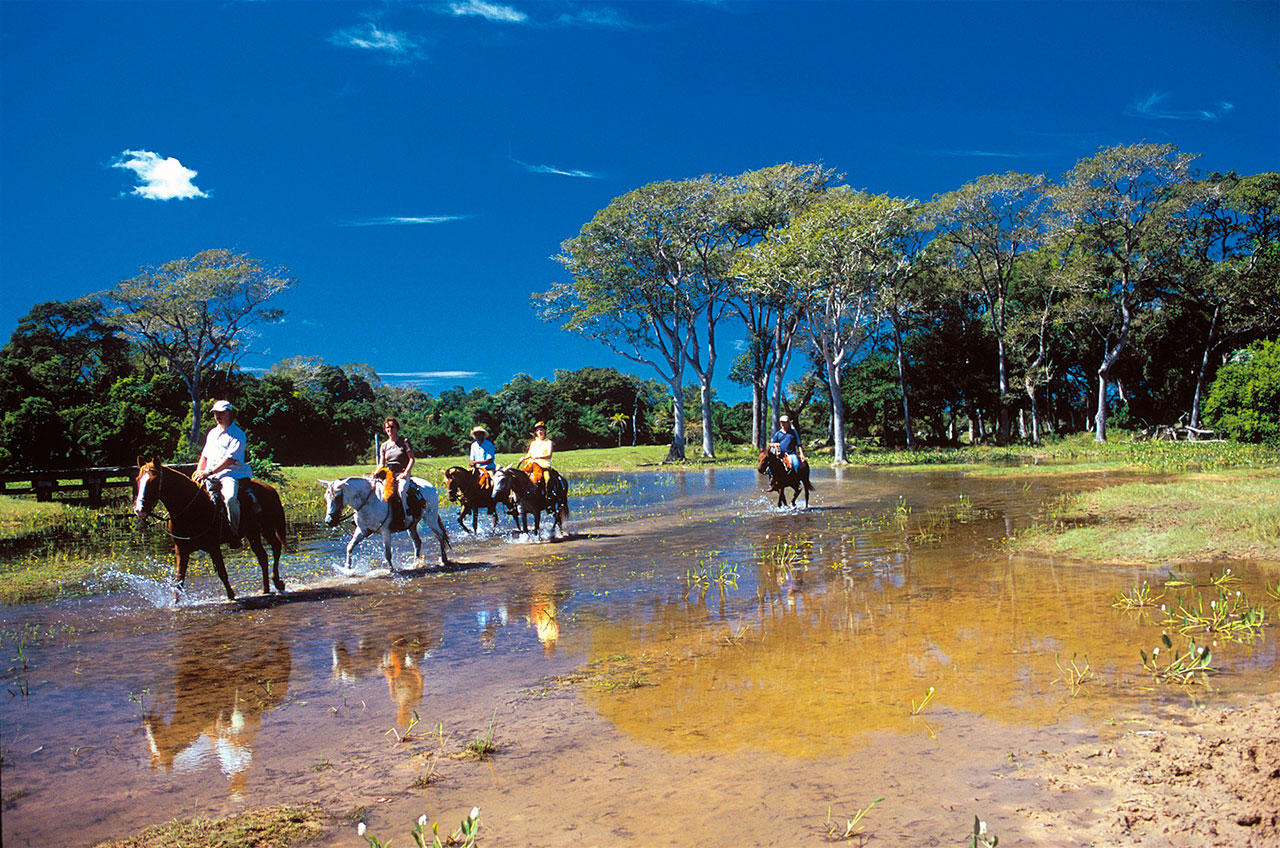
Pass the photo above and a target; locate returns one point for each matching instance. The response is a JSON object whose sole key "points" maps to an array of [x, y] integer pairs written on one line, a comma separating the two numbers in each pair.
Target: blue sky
{"points": [[416, 165]]}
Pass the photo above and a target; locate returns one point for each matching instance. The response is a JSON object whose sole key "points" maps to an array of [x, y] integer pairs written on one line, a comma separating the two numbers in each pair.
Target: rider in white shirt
{"points": [[223, 460]]}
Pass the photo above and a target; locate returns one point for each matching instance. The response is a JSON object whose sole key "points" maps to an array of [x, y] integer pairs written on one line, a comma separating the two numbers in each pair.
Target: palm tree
{"points": [[618, 420]]}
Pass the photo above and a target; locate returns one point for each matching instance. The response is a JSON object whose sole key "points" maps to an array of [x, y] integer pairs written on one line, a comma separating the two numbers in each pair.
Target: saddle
{"points": [[248, 507], [399, 518], [534, 470]]}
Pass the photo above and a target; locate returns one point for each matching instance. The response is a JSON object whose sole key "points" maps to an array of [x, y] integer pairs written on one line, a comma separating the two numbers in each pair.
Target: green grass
{"points": [[1225, 514]]}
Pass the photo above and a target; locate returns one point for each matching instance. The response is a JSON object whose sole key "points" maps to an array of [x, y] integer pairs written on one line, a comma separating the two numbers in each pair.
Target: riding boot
{"points": [[233, 526]]}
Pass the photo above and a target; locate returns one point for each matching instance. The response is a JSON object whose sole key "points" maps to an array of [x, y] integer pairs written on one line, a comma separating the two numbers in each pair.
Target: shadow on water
{"points": [[691, 643]]}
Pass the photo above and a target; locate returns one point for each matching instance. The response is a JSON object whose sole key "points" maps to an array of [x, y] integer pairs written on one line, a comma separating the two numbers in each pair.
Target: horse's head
{"points": [[453, 476], [502, 480], [333, 496], [146, 487], [765, 456]]}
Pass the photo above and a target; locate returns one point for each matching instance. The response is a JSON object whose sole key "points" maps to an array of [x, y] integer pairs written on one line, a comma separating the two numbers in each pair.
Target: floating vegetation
{"points": [[1226, 578], [1073, 675], [1193, 665], [1229, 615], [852, 827], [700, 578], [917, 707], [1140, 596]]}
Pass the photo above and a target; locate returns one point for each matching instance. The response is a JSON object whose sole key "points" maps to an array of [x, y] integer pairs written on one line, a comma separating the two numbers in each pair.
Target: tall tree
{"points": [[762, 201], [836, 255], [190, 315], [988, 224], [1119, 207], [1230, 237], [630, 289]]}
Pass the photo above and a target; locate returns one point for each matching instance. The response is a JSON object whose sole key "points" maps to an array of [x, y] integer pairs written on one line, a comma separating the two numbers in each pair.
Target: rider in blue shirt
{"points": [[788, 442], [482, 450]]}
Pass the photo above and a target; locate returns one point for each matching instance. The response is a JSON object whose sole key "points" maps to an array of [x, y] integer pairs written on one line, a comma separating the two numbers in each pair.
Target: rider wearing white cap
{"points": [[223, 460]]}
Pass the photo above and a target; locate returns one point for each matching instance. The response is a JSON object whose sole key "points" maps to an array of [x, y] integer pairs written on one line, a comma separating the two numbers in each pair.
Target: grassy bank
{"points": [[1191, 517], [1213, 499]]}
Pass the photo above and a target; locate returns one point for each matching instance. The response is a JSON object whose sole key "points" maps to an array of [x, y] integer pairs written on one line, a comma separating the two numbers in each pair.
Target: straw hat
{"points": [[479, 428]]}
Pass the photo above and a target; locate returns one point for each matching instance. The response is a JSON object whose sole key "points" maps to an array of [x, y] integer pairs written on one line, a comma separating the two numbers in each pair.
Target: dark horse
{"points": [[197, 524], [782, 478], [516, 487], [473, 491]]}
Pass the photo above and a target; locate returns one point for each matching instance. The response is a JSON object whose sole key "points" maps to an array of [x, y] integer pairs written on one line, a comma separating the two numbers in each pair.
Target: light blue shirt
{"points": [[483, 453]]}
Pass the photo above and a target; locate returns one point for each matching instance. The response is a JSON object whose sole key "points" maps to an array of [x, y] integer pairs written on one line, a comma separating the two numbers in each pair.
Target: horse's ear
{"points": [[324, 483]]}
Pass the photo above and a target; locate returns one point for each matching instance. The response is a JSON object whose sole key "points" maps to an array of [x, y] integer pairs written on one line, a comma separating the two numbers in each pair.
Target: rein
{"points": [[172, 515]]}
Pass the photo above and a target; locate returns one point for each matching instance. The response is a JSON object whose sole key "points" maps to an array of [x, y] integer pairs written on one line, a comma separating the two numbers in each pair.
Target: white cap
{"points": [[222, 406], [782, 418]]}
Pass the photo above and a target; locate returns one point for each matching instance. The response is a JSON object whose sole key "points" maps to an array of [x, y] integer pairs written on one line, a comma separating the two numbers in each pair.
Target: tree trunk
{"points": [[757, 413], [1204, 369], [676, 451], [193, 389], [837, 413], [902, 386], [1100, 417], [1002, 434], [708, 433]]}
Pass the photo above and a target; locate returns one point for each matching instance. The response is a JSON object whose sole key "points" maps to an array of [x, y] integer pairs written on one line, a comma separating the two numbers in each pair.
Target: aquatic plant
{"points": [[1226, 578], [852, 827], [407, 736], [1073, 675], [1273, 592], [1229, 615], [1140, 597], [917, 707], [463, 837], [1193, 665], [481, 749], [980, 838]]}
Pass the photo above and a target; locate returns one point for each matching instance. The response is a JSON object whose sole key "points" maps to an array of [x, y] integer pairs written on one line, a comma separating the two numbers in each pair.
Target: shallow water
{"points": [[628, 700]]}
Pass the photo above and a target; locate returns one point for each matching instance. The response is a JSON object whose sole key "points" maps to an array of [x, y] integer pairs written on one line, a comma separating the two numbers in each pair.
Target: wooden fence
{"points": [[92, 482]]}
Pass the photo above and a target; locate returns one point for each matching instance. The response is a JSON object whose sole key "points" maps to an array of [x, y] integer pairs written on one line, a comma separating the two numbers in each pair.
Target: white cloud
{"points": [[162, 179], [489, 11], [395, 46], [601, 16], [550, 169], [1153, 107], [406, 220], [430, 375]]}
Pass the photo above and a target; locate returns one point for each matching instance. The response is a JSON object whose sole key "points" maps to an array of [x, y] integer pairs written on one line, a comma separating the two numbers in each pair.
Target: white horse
{"points": [[373, 514]]}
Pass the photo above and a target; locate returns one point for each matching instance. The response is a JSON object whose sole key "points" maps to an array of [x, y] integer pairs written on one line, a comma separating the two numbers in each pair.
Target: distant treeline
{"points": [[75, 394]]}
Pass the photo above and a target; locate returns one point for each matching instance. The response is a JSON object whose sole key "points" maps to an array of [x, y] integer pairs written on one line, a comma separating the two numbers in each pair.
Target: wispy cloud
{"points": [[162, 178], [405, 220], [600, 16], [1154, 107], [430, 375], [396, 47], [560, 172], [981, 154], [489, 11]]}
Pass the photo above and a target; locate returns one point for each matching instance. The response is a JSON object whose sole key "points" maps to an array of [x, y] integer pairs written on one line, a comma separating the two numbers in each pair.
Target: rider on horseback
{"points": [[788, 443], [222, 465], [537, 459], [482, 451], [395, 455]]}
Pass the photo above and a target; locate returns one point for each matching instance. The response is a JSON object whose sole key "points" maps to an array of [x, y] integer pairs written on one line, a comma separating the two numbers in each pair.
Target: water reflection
{"points": [[398, 658], [211, 714]]}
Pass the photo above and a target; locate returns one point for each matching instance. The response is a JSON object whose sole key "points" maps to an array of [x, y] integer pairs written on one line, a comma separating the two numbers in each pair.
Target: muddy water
{"points": [[631, 696]]}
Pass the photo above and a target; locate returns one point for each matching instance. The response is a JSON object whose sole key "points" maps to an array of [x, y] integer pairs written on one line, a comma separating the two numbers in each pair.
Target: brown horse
{"points": [[197, 524], [516, 488], [473, 491], [782, 477]]}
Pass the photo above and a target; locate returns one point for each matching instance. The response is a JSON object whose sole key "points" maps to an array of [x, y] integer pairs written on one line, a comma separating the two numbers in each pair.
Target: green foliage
{"points": [[1244, 401]]}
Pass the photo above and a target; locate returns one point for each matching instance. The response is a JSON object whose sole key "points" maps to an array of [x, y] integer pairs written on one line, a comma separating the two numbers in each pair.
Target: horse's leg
{"points": [[215, 554], [417, 541], [180, 583], [356, 538], [386, 547], [275, 565], [255, 542]]}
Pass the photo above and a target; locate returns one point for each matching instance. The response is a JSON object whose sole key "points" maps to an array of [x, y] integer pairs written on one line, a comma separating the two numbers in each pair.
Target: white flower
{"points": [[422, 820], [982, 828], [1155, 652], [475, 812], [360, 828]]}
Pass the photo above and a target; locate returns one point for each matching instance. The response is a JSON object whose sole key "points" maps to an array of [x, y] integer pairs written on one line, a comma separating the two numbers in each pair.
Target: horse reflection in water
{"points": [[398, 659], [217, 705]]}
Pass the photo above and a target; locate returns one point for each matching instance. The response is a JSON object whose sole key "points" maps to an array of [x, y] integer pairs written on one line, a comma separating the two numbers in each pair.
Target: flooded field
{"points": [[692, 667]]}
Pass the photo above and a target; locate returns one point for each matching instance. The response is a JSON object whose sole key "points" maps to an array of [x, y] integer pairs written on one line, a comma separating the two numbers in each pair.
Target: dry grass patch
{"points": [[275, 827]]}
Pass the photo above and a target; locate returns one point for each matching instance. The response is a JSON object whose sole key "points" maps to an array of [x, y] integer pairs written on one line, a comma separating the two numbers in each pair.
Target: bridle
{"points": [[157, 474]]}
